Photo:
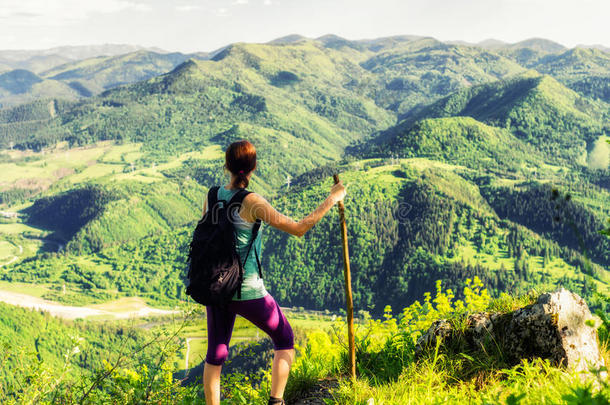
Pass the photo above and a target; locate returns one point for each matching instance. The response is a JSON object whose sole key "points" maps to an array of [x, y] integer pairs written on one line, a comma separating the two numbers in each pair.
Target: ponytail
{"points": [[242, 179]]}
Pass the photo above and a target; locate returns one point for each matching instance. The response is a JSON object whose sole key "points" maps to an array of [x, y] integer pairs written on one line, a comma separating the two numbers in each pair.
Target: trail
{"points": [[74, 312], [20, 247], [188, 349]]}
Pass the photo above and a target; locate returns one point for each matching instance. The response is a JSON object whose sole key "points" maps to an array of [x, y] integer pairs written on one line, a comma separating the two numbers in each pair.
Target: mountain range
{"points": [[485, 160]]}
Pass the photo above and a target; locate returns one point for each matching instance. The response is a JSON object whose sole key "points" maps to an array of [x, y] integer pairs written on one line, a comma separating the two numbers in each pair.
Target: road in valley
{"points": [[73, 312]]}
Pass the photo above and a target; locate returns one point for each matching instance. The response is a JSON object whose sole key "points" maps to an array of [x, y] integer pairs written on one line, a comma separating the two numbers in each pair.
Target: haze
{"points": [[205, 25]]}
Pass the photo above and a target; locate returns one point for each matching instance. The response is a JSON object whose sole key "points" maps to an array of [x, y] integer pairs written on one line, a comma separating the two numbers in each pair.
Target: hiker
{"points": [[253, 301]]}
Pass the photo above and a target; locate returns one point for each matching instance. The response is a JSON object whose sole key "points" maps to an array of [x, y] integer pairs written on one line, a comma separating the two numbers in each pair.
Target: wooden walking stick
{"points": [[348, 288]]}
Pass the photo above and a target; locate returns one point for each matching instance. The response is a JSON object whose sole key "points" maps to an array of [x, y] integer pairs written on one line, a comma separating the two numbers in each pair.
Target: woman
{"points": [[255, 303]]}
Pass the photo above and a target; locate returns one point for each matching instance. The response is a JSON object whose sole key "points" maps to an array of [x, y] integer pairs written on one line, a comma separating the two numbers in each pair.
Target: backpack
{"points": [[215, 271]]}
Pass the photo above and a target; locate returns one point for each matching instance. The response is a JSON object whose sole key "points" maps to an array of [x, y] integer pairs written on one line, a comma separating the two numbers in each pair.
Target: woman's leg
{"points": [[282, 360], [211, 383], [266, 314], [220, 327]]}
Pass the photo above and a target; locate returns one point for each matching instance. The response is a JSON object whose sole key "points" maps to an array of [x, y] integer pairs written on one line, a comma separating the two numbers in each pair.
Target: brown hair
{"points": [[240, 159]]}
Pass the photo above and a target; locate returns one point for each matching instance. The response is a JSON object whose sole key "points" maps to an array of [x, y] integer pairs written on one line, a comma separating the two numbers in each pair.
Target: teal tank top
{"points": [[252, 286]]}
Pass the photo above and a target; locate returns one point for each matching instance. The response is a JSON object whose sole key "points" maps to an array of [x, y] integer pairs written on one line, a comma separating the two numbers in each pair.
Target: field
{"points": [[62, 166]]}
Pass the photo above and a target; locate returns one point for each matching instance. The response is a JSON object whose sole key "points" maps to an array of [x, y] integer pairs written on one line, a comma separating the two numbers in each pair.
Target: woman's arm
{"points": [[256, 207]]}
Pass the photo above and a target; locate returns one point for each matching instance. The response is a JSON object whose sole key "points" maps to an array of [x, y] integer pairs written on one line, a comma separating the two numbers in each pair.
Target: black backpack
{"points": [[215, 271]]}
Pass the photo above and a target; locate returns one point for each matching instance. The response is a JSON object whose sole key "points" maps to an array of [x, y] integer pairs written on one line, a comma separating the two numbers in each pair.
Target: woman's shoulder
{"points": [[253, 196], [252, 203]]}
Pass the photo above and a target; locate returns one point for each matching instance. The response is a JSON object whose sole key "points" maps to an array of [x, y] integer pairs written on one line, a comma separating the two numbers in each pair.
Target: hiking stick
{"points": [[348, 288]]}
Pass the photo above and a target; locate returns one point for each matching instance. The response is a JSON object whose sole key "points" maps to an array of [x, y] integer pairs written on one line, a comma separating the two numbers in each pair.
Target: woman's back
{"points": [[252, 286]]}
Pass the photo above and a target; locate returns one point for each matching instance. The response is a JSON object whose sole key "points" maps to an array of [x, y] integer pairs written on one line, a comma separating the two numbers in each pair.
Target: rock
{"points": [[440, 329], [479, 326], [554, 328]]}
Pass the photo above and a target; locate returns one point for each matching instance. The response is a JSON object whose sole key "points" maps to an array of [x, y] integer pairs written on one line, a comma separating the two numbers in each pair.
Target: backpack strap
{"points": [[255, 229], [238, 198], [236, 201], [212, 197]]}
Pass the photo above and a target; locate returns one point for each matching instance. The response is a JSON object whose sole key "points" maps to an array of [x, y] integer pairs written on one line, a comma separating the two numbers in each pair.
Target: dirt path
{"points": [[188, 349], [73, 312]]}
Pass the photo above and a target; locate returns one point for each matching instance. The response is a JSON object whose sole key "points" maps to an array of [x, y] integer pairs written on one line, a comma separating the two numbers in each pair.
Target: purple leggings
{"points": [[263, 312]]}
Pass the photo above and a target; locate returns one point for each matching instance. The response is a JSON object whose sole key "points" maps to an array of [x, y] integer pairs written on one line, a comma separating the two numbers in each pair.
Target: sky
{"points": [[205, 25]]}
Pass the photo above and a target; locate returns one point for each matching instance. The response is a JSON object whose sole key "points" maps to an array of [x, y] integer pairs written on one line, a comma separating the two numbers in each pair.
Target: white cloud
{"points": [[54, 12], [190, 7], [240, 2], [268, 3], [222, 12]]}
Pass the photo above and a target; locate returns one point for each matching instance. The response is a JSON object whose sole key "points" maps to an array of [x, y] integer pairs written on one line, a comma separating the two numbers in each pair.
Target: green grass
{"points": [[389, 372], [34, 290], [104, 161], [7, 250]]}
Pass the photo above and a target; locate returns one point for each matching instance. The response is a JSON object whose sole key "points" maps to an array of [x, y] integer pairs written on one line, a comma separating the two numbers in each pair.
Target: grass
{"points": [[7, 250], [389, 373], [103, 160], [19, 228], [34, 290]]}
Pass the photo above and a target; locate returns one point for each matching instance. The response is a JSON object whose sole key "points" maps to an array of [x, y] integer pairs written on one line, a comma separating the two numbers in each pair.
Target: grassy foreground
{"points": [[388, 370]]}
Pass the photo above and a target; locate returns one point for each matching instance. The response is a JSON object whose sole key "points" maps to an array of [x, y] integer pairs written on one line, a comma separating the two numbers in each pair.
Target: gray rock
{"points": [[554, 328], [440, 329]]}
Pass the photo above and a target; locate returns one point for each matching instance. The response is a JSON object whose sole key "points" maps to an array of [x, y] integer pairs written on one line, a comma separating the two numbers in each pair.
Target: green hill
{"points": [[423, 70], [105, 72], [243, 90], [536, 109], [18, 81], [460, 140], [410, 224], [22, 86], [586, 71], [538, 44], [35, 344], [96, 216]]}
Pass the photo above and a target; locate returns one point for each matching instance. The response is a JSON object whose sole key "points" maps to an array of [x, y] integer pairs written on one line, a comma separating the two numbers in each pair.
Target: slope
{"points": [[98, 74], [423, 70], [95, 216], [586, 71], [284, 96], [536, 109], [22, 86], [459, 140], [410, 223], [34, 342]]}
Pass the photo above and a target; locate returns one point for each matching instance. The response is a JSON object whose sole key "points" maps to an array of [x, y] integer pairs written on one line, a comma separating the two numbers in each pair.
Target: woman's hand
{"points": [[338, 191]]}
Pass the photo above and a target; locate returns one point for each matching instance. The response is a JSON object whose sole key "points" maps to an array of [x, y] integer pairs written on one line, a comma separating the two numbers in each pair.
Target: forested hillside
{"points": [[463, 141], [78, 347], [411, 222], [536, 109]]}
